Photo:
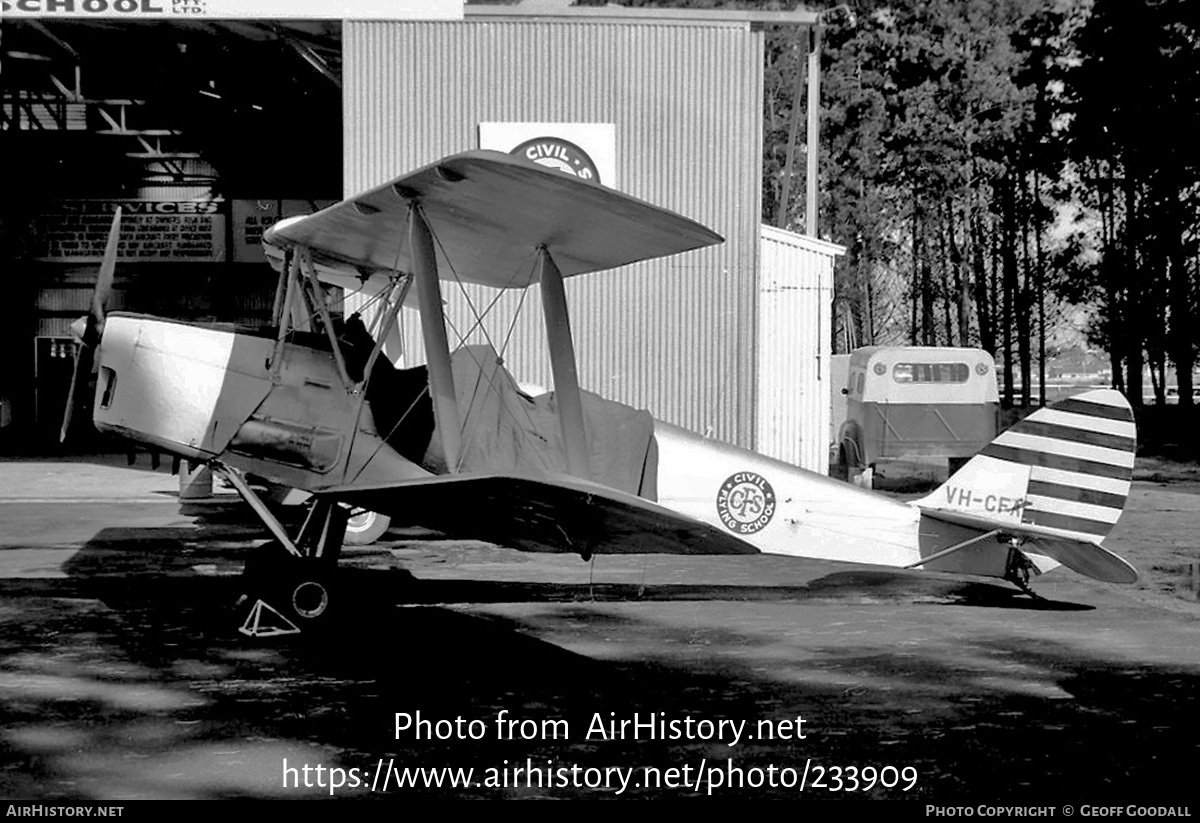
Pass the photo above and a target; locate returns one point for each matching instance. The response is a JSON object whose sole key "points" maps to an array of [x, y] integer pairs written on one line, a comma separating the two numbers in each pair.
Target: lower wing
{"points": [[547, 514]]}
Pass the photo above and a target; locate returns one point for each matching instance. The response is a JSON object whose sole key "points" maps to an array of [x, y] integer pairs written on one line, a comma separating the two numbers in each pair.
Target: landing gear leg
{"points": [[1018, 569], [290, 585]]}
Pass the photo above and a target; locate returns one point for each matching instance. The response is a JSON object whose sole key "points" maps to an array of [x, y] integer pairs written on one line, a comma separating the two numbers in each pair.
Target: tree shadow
{"points": [[154, 694], [159, 698]]}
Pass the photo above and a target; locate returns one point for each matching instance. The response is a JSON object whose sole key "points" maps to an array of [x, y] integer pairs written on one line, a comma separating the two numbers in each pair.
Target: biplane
{"points": [[457, 446]]}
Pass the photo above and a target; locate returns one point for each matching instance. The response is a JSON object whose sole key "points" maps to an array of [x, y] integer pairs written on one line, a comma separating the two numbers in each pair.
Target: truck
{"points": [[922, 403]]}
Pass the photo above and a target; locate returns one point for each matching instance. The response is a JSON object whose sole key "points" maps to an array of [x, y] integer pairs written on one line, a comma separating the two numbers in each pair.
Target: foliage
{"points": [[990, 163], [997, 167]]}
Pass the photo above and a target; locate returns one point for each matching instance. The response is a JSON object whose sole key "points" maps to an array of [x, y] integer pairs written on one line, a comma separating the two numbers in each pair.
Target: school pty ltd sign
{"points": [[238, 9]]}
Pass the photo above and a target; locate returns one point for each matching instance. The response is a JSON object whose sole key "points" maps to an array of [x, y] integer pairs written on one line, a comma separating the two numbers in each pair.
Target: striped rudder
{"points": [[1064, 471]]}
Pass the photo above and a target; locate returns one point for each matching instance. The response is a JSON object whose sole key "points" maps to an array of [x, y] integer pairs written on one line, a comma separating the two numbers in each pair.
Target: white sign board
{"points": [[238, 9], [152, 231], [587, 150]]}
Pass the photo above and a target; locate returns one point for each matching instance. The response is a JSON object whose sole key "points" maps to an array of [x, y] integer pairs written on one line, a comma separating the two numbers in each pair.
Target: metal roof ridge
{"points": [[613, 13]]}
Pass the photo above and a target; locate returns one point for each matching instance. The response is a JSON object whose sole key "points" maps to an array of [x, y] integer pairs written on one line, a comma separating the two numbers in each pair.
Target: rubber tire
{"points": [[290, 584], [366, 527], [840, 469]]}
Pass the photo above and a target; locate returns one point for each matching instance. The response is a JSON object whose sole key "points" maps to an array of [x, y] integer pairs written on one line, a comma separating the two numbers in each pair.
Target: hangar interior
{"points": [[206, 132], [200, 131]]}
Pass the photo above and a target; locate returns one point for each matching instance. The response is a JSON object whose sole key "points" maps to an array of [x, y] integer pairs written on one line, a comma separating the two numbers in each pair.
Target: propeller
{"points": [[87, 330]]}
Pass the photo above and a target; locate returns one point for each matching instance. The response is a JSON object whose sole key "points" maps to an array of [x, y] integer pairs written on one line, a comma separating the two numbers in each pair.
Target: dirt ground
{"points": [[122, 675]]}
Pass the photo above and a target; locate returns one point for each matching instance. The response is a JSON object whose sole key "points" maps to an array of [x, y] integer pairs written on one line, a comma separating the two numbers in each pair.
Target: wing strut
{"points": [[433, 329], [306, 264], [562, 363]]}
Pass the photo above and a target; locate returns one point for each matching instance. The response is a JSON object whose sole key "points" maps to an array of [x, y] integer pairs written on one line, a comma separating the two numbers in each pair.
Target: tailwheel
{"points": [[1019, 569]]}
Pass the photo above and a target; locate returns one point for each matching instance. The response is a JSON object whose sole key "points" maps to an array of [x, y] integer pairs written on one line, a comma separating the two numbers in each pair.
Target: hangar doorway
{"points": [[202, 132]]}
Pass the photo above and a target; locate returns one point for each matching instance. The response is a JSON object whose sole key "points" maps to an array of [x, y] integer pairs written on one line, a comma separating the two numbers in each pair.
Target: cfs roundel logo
{"points": [[746, 503], [556, 153]]}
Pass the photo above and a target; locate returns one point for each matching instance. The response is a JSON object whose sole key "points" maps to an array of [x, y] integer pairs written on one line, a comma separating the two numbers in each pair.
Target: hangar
{"points": [[206, 131]]}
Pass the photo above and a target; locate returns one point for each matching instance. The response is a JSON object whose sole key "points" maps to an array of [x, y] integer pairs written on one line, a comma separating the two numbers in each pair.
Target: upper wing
{"points": [[490, 213], [560, 514]]}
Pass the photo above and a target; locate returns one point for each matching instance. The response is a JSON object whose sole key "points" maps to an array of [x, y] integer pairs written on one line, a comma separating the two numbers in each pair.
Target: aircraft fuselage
{"points": [[278, 411]]}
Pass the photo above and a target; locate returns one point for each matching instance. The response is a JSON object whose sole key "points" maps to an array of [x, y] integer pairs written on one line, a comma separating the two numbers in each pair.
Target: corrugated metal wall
{"points": [[794, 348], [673, 336]]}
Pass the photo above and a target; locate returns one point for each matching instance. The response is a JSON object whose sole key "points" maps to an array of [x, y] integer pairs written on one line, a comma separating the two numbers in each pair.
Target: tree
{"points": [[1135, 112]]}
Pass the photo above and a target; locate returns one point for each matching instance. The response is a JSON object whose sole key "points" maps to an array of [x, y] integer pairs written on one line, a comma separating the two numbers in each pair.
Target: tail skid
{"points": [[1055, 484]]}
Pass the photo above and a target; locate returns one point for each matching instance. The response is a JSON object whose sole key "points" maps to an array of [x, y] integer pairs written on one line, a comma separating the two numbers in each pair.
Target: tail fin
{"points": [[1063, 472]]}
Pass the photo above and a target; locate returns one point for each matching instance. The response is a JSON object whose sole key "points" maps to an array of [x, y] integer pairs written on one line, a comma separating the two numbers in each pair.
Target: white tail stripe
{"points": [[1121, 428], [1104, 514], [1106, 397], [1065, 448], [1080, 481]]}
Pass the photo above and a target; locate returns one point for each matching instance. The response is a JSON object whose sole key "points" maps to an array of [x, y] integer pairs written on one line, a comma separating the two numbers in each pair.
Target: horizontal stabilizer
{"points": [[490, 213], [545, 514], [1088, 559]]}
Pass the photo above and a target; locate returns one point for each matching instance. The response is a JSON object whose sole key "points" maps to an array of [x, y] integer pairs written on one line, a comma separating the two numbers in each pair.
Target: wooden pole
{"points": [[785, 195], [814, 131]]}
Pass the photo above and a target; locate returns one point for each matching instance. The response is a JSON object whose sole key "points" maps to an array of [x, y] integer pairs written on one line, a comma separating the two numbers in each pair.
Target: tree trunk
{"points": [[944, 276], [1132, 333], [983, 303], [1008, 261], [1040, 286], [1181, 333], [916, 277], [961, 279], [1023, 302]]}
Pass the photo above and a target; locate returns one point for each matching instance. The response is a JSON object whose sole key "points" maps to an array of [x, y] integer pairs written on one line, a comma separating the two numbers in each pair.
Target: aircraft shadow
{"points": [[128, 563], [859, 587]]}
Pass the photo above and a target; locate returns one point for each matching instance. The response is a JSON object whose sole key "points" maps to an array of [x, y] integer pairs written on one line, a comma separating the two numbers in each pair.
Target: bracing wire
{"points": [[479, 323], [393, 280]]}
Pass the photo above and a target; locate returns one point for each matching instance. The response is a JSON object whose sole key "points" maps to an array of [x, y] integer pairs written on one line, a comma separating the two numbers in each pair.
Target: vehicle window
{"points": [[931, 372]]}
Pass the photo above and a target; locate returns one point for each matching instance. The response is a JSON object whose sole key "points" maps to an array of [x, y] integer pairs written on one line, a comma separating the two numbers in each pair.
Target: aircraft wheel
{"points": [[364, 527], [309, 597], [301, 589]]}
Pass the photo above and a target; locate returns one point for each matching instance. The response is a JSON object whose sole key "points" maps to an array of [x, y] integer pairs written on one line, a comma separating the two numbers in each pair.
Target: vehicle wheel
{"points": [[840, 470], [363, 526]]}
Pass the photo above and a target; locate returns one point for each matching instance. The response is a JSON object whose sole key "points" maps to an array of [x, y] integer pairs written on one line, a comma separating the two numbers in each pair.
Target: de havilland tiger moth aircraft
{"points": [[457, 446]]}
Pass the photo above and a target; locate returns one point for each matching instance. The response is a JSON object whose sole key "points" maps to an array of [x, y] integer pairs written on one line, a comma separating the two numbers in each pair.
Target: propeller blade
{"points": [[104, 281], [79, 378], [88, 330]]}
